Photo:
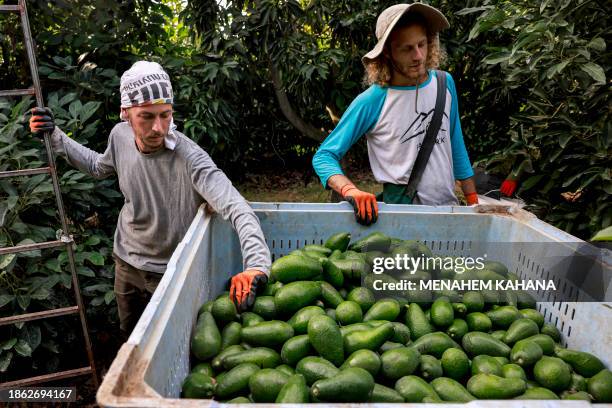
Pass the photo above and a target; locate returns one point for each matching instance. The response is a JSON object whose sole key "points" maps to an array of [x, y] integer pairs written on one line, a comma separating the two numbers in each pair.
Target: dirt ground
{"points": [[294, 187]]}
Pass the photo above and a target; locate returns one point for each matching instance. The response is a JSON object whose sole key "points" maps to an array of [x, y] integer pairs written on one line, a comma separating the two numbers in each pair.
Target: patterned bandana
{"points": [[146, 83]]}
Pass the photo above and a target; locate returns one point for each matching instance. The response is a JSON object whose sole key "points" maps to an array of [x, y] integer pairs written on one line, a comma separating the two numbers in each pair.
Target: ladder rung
{"points": [[39, 315], [10, 7], [31, 247], [65, 240], [24, 172], [18, 92], [47, 377]]}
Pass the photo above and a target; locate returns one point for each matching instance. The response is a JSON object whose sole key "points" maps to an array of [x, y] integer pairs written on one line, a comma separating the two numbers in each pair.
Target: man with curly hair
{"points": [[394, 114]]}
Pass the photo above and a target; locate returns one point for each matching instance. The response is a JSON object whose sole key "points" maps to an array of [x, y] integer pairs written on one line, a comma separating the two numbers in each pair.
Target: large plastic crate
{"points": [[149, 369]]}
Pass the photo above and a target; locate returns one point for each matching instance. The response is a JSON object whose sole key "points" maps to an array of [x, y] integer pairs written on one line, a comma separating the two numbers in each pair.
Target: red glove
{"points": [[508, 187], [41, 121], [471, 198], [364, 204], [244, 287]]}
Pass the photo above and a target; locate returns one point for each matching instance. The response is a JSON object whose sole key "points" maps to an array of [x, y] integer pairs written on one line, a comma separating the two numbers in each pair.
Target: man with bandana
{"points": [[394, 114], [164, 177]]}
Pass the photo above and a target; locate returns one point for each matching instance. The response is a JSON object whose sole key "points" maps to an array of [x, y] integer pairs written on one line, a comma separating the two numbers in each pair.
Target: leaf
{"points": [[3, 210], [109, 297], [11, 202], [50, 281], [82, 186], [586, 183], [470, 10], [603, 235], [41, 294], [556, 69], [597, 43], [92, 240], [75, 108], [53, 264], [43, 188], [85, 271], [573, 178], [97, 301], [5, 260], [5, 361], [496, 58], [564, 138], [595, 71], [23, 301], [31, 335], [51, 346], [66, 280], [109, 193], [531, 181], [95, 258], [108, 73], [23, 349], [5, 299], [88, 110], [98, 287], [69, 97], [8, 344]]}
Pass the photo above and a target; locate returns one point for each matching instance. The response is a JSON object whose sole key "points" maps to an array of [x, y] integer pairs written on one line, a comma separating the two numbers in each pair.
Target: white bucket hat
{"points": [[389, 18]]}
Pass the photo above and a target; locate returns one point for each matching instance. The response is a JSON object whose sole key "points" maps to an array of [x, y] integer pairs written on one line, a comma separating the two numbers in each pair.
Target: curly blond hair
{"points": [[378, 71]]}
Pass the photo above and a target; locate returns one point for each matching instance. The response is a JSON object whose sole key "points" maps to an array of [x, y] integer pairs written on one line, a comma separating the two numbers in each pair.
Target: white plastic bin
{"points": [[150, 367]]}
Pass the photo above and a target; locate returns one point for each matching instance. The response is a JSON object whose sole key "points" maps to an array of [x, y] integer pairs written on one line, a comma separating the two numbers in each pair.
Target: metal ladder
{"points": [[65, 239]]}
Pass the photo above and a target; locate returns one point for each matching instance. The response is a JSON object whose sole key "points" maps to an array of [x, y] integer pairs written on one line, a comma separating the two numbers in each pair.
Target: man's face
{"points": [[408, 49], [150, 125]]}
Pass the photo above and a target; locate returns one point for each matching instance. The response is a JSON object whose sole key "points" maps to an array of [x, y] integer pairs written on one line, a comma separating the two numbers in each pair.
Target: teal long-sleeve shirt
{"points": [[394, 120]]}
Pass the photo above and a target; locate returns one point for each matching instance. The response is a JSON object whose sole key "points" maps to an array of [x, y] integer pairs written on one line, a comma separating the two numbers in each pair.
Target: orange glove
{"points": [[41, 121], [364, 204], [244, 287], [508, 187], [471, 198]]}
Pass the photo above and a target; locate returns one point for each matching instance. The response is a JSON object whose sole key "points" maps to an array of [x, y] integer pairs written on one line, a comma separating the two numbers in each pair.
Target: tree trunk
{"points": [[292, 116]]}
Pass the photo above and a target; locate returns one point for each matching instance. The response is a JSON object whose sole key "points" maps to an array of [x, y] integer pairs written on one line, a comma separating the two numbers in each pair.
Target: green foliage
{"points": [[314, 47], [603, 235], [40, 279], [552, 58]]}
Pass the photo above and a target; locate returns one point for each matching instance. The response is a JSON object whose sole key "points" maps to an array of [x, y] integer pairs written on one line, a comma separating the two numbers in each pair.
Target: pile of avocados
{"points": [[318, 333]]}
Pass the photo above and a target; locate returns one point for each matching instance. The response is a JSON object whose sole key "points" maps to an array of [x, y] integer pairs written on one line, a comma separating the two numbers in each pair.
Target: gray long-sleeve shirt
{"points": [[162, 192]]}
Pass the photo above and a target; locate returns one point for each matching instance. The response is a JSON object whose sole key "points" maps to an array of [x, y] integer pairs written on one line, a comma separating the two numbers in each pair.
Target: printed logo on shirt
{"points": [[420, 125], [439, 140]]}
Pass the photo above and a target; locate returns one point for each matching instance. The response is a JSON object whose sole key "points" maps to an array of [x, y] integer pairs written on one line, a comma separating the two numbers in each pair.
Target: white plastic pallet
{"points": [[151, 366]]}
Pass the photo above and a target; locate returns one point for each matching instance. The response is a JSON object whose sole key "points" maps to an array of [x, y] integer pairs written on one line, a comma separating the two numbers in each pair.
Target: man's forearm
{"points": [[88, 161], [218, 191], [337, 181], [468, 186]]}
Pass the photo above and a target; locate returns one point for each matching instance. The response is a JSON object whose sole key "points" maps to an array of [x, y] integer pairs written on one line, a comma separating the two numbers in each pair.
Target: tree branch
{"points": [[292, 116]]}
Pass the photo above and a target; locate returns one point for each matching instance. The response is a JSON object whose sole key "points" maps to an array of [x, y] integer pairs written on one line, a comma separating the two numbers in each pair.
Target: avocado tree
{"points": [[553, 60]]}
